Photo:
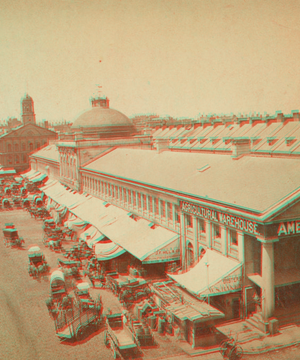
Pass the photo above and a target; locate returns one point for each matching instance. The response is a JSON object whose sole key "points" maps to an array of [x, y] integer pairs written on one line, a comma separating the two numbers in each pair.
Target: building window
{"points": [[129, 197], [30, 146], [189, 221], [10, 159], [38, 145], [150, 204], [201, 226], [233, 243], [24, 158], [163, 208], [190, 255], [156, 206], [17, 159], [23, 147], [177, 217], [9, 147], [216, 236], [16, 147], [216, 231], [233, 239], [170, 211]]}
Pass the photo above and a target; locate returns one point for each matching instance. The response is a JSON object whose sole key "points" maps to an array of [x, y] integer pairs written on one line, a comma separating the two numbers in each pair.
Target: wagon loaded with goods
{"points": [[119, 337], [37, 263], [86, 314], [11, 237]]}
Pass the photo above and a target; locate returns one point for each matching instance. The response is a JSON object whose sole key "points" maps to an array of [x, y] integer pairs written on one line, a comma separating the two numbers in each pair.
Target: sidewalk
{"points": [[253, 341]]}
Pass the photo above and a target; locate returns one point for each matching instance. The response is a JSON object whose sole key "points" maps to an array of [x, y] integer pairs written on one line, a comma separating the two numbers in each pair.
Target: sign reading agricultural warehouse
{"points": [[238, 223]]}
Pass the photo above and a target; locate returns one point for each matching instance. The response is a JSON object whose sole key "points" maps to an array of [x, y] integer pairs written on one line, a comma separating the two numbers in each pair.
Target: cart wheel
{"points": [[238, 353], [223, 347], [114, 350], [235, 353]]}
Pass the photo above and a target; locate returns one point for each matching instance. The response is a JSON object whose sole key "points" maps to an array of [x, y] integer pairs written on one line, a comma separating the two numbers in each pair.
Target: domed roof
{"points": [[101, 117]]}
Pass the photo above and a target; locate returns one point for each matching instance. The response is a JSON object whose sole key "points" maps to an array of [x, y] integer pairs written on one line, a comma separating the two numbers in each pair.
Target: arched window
{"points": [[17, 159], [38, 145], [23, 147], [30, 146], [9, 147], [24, 158], [10, 158], [16, 147]]}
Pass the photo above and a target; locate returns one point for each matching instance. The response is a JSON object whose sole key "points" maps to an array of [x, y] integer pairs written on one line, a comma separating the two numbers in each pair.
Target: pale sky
{"points": [[179, 58]]}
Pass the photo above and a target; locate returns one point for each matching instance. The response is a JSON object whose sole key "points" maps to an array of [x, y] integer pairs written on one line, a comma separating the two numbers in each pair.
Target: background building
{"points": [[16, 143]]}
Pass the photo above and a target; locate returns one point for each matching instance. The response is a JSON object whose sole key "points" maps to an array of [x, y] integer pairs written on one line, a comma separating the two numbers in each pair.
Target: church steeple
{"points": [[28, 115]]}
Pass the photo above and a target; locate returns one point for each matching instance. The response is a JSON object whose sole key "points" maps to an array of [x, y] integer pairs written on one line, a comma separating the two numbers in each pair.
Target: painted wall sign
{"points": [[170, 252], [236, 222], [288, 228], [230, 283]]}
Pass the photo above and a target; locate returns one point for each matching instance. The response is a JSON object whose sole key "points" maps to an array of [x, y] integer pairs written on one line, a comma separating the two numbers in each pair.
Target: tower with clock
{"points": [[28, 115]]}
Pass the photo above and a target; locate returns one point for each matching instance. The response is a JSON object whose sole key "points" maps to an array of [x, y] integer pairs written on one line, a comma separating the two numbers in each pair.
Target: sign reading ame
{"points": [[289, 228], [229, 220]]}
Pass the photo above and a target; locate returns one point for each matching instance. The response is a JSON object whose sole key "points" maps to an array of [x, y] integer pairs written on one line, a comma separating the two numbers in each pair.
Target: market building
{"points": [[215, 205]]}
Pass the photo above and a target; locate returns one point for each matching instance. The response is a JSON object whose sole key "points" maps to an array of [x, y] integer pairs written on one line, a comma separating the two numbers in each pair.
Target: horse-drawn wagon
{"points": [[119, 337], [57, 285], [11, 237], [37, 263]]}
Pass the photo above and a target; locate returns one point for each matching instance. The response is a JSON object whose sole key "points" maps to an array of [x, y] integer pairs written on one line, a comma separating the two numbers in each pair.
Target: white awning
{"points": [[28, 173], [106, 250], [136, 236], [91, 236], [215, 274]]}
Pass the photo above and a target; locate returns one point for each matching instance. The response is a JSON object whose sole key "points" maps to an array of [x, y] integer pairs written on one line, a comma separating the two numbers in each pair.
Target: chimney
{"points": [[240, 147], [295, 114], [279, 116], [161, 145]]}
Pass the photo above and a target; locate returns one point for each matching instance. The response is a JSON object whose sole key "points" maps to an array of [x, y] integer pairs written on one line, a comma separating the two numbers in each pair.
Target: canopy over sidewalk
{"points": [[135, 236], [215, 274], [107, 250]]}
